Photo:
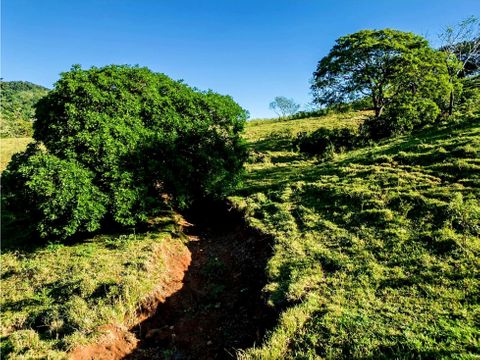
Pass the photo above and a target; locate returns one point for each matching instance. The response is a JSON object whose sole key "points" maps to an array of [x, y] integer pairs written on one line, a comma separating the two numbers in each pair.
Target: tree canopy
{"points": [[284, 106], [138, 137], [384, 65]]}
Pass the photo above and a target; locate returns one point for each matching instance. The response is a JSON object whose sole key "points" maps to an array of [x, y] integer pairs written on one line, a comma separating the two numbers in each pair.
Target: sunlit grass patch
{"points": [[10, 146], [277, 134]]}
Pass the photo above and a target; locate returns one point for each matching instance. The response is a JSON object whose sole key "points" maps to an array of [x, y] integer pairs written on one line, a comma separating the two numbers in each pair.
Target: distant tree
{"points": [[284, 106], [461, 43], [384, 65]]}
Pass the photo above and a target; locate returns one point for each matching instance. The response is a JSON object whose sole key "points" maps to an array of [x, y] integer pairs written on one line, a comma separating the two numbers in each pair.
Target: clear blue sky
{"points": [[250, 49]]}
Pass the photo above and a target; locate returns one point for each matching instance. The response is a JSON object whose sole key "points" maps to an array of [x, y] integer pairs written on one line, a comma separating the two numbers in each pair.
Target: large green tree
{"points": [[138, 137], [381, 64]]}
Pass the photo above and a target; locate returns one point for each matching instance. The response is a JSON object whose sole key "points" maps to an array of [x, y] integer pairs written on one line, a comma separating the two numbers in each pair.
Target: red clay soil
{"points": [[117, 342], [219, 307]]}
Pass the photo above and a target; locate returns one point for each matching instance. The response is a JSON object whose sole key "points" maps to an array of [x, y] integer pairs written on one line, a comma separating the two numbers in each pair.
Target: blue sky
{"points": [[252, 50]]}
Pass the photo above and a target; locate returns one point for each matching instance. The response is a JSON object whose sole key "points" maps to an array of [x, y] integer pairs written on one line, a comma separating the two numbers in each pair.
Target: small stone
{"points": [[209, 342]]}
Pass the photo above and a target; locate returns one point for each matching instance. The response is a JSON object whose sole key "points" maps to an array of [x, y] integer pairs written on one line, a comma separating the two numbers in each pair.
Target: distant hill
{"points": [[17, 107]]}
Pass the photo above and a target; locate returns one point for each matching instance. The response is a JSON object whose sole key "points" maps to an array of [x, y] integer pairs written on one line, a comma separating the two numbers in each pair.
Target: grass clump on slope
{"points": [[377, 250]]}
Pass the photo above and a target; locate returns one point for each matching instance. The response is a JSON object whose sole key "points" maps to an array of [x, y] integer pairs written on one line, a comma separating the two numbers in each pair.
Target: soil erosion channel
{"points": [[220, 307]]}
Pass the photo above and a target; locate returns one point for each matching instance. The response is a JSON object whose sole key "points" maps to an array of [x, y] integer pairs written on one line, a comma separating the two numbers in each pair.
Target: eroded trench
{"points": [[221, 307]]}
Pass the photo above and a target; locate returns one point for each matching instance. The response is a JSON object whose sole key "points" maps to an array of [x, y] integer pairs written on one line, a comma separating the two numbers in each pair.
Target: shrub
{"points": [[56, 196], [324, 141], [400, 118], [140, 135]]}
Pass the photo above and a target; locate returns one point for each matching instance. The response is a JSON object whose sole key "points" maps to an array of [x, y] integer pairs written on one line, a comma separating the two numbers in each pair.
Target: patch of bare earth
{"points": [[216, 309]]}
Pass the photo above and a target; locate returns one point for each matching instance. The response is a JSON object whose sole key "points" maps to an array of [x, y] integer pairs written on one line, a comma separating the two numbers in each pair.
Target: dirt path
{"points": [[220, 307]]}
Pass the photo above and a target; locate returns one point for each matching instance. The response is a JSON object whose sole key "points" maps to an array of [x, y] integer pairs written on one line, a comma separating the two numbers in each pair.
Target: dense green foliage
{"points": [[17, 107], [56, 196], [142, 135], [377, 250], [408, 81], [469, 102]]}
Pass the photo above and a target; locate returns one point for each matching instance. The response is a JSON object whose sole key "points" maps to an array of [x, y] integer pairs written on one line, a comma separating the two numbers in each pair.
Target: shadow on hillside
{"points": [[221, 307]]}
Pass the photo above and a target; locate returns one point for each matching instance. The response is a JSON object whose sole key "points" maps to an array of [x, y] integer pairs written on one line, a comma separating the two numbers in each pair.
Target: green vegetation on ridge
{"points": [[17, 111]]}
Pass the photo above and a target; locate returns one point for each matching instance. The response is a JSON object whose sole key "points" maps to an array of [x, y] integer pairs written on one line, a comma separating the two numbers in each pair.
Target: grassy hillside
{"points": [[10, 146], [377, 251], [62, 296], [274, 134], [17, 107]]}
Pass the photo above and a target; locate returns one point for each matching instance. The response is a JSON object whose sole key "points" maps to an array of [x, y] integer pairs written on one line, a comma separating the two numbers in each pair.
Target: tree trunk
{"points": [[380, 111], [450, 104], [375, 106]]}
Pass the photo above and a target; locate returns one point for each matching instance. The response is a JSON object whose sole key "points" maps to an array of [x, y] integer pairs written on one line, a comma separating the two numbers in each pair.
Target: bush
{"points": [[140, 135], [401, 117], [324, 141], [56, 196], [469, 102]]}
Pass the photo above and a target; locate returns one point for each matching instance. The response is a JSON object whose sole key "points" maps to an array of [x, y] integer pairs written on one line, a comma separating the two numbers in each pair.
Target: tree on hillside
{"points": [[284, 106], [130, 136], [461, 43], [385, 65]]}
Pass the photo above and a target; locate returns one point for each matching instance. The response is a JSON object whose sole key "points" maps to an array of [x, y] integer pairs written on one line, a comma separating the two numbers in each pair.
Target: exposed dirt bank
{"points": [[218, 308], [117, 341]]}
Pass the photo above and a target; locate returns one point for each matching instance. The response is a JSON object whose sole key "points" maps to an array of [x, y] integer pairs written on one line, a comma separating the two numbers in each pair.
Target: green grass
{"points": [[55, 297], [271, 134], [10, 146], [377, 251]]}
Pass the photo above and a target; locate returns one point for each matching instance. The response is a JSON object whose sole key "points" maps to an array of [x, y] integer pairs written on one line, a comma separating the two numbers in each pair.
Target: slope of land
{"points": [[276, 134], [375, 254], [9, 147], [17, 107], [57, 297], [377, 251]]}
